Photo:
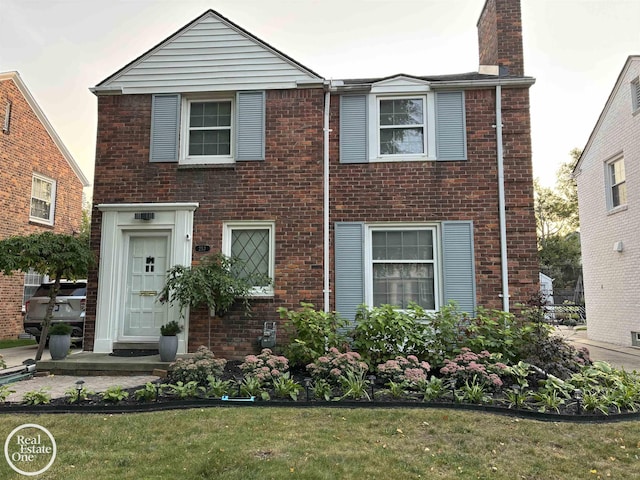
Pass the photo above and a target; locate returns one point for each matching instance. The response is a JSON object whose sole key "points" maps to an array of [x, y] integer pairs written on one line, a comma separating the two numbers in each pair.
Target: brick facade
{"points": [[611, 280], [27, 149], [287, 189]]}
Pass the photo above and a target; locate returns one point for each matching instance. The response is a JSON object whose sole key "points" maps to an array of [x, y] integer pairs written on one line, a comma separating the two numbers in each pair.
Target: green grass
{"points": [[324, 443], [17, 342]]}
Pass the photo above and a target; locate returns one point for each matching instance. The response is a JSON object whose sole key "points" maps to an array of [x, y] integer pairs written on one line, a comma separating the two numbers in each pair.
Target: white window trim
{"points": [[227, 230], [374, 128], [611, 208], [185, 158], [368, 255], [51, 219]]}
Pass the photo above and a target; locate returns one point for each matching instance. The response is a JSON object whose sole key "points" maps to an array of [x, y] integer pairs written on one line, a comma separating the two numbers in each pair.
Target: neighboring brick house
{"points": [[608, 175], [344, 192], [40, 188]]}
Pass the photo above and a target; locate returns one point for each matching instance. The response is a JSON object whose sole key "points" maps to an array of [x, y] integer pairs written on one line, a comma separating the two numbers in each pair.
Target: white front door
{"points": [[145, 272]]}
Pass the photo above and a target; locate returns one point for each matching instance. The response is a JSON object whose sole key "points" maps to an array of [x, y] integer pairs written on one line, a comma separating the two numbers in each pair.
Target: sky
{"points": [[575, 49]]}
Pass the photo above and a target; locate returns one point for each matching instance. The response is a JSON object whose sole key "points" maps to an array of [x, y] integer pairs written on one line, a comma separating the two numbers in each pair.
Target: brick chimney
{"points": [[500, 38]]}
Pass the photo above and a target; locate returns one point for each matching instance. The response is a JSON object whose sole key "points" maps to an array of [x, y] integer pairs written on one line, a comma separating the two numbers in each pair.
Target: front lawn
{"points": [[326, 443]]}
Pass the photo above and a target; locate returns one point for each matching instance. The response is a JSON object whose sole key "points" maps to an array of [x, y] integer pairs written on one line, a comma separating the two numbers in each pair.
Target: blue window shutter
{"points": [[353, 129], [451, 131], [458, 265], [165, 128], [349, 250], [250, 131]]}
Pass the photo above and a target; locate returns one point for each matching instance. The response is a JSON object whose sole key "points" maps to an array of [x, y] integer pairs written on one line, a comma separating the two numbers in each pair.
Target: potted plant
{"points": [[168, 343], [59, 340]]}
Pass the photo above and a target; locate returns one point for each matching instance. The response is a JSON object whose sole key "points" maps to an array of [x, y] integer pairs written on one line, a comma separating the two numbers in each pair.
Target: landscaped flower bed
{"points": [[492, 362]]}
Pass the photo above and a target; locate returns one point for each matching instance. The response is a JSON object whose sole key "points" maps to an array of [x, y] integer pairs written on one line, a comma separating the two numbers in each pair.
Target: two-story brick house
{"points": [[607, 175], [40, 188], [388, 190]]}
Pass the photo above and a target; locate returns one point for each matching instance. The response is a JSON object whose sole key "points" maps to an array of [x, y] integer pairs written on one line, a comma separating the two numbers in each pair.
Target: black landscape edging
{"points": [[12, 408]]}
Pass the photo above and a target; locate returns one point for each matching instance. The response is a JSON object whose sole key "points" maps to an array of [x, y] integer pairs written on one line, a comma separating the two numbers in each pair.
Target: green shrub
{"points": [[382, 333], [312, 333]]}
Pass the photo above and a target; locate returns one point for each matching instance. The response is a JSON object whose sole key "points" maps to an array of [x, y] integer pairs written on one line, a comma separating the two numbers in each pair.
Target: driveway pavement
{"points": [[618, 356]]}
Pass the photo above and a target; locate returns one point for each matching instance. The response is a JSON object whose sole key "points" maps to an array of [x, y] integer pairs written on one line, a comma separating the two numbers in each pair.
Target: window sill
{"points": [[200, 166], [40, 223], [400, 158], [618, 209]]}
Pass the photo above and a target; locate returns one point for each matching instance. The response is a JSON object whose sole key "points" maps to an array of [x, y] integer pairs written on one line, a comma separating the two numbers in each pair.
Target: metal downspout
{"points": [[501, 202], [326, 287]]}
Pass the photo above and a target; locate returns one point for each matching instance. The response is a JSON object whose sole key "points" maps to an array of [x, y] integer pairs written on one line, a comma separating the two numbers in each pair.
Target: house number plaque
{"points": [[203, 248]]}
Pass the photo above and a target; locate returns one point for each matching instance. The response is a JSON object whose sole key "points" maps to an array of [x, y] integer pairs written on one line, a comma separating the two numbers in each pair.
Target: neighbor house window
{"points": [[43, 194], [402, 126], [32, 281], [403, 266], [616, 180], [208, 131], [253, 244]]}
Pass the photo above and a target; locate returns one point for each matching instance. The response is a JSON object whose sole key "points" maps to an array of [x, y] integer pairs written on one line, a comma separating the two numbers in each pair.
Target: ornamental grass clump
{"points": [[474, 367], [197, 368], [334, 364], [265, 367], [409, 370]]}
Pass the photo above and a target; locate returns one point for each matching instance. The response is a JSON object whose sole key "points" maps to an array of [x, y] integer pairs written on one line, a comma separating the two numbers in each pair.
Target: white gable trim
{"points": [[400, 84], [17, 80], [619, 84], [209, 54]]}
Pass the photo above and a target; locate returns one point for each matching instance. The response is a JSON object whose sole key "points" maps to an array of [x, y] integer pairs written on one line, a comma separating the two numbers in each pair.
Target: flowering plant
{"points": [[409, 370], [198, 367], [266, 367], [472, 367], [334, 364]]}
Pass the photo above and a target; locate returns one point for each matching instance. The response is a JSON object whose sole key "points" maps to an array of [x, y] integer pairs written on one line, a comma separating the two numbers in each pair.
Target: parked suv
{"points": [[69, 308]]}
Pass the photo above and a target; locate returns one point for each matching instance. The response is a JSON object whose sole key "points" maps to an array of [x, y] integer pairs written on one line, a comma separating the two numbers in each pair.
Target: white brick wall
{"points": [[612, 279]]}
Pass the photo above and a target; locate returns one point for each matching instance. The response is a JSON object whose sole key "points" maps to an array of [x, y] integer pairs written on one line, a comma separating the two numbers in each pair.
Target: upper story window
{"points": [[207, 131], [616, 183], [43, 194], [253, 244], [402, 123], [7, 118], [402, 126]]}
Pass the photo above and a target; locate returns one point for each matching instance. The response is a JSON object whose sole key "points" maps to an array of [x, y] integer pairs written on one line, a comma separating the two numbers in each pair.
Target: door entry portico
{"points": [[146, 267]]}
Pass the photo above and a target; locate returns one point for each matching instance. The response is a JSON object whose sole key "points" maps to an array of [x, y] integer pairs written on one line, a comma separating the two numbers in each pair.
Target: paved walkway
{"points": [[57, 385], [618, 356]]}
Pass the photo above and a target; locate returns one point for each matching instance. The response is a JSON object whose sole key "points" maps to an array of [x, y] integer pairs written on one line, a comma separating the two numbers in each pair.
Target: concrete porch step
{"points": [[134, 349], [90, 363]]}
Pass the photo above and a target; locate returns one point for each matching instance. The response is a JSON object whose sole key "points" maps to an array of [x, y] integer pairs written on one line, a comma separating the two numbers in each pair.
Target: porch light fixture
{"points": [[146, 216]]}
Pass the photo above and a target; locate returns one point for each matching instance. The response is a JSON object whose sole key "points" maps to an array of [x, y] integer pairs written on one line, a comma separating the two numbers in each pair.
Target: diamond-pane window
{"points": [[252, 247]]}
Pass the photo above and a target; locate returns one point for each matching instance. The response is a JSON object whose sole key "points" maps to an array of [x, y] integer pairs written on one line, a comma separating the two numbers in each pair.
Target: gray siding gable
{"points": [[210, 54]]}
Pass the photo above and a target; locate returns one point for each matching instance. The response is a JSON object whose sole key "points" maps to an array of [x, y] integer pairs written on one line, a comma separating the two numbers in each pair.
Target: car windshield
{"points": [[66, 290]]}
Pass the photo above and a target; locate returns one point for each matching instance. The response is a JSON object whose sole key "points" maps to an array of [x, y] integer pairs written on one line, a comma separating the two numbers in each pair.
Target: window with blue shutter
{"points": [[458, 265], [349, 268], [451, 140], [250, 138], [353, 129], [165, 127], [395, 127]]}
